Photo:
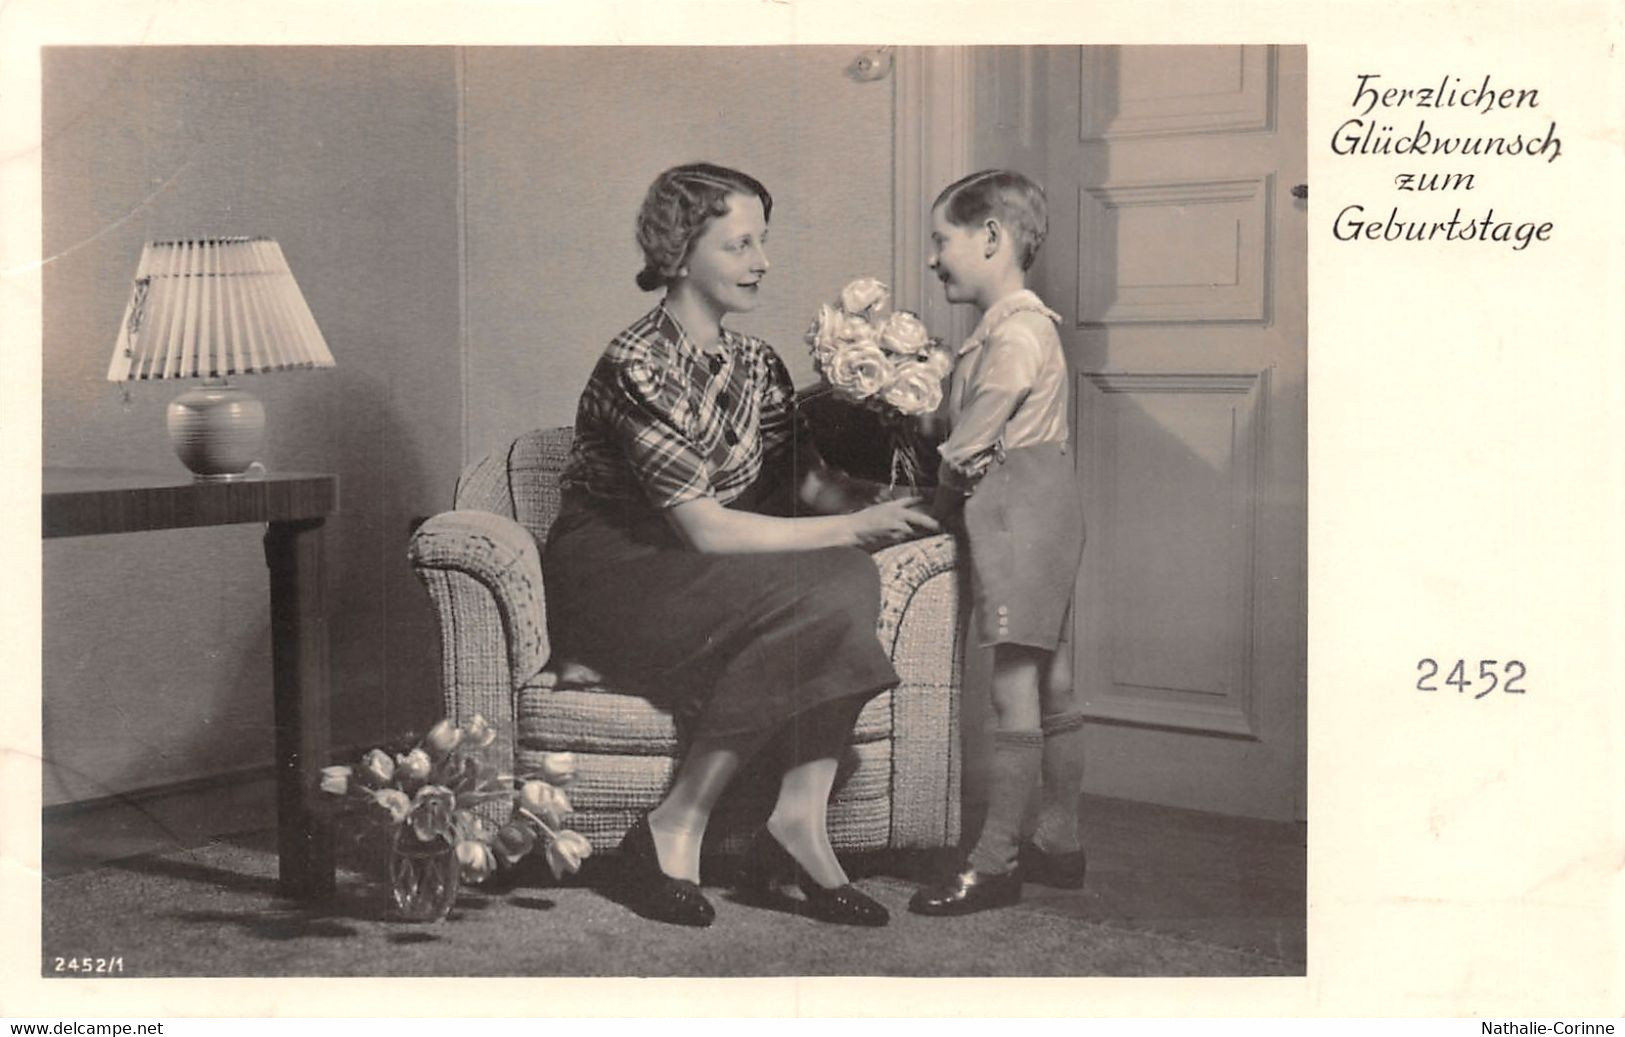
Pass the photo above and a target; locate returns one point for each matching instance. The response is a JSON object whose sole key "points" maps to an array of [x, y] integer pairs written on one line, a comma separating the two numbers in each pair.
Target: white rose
{"points": [[865, 296], [915, 389], [859, 370], [857, 330], [904, 333], [939, 359], [823, 335]]}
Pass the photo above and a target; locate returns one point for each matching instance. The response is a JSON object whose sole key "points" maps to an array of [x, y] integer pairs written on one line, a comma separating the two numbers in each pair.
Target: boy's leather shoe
{"points": [[968, 892], [1056, 870]]}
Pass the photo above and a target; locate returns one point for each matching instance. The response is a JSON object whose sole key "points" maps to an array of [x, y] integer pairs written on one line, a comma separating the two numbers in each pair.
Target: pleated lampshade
{"points": [[213, 308]]}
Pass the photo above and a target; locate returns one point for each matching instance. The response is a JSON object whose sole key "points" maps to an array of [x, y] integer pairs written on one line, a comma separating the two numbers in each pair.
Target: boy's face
{"points": [[958, 258]]}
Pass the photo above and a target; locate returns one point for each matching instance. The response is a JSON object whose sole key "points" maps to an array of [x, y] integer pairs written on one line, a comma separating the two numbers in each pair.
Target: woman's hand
{"points": [[706, 526], [882, 493], [892, 522]]}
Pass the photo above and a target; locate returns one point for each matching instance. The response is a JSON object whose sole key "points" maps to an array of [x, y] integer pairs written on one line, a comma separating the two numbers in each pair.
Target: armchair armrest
{"points": [[483, 573], [904, 569], [922, 607]]}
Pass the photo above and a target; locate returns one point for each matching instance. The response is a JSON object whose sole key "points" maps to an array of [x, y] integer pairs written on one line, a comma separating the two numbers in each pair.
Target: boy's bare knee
{"points": [[1056, 692], [1017, 677]]}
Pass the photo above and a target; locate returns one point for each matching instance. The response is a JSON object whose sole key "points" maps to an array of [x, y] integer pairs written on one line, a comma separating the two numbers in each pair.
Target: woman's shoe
{"points": [[767, 860], [653, 893], [1056, 870], [968, 892], [843, 905], [764, 865]]}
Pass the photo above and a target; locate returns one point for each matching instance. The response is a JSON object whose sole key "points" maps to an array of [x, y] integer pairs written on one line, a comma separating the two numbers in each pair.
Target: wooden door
{"points": [[1177, 255]]}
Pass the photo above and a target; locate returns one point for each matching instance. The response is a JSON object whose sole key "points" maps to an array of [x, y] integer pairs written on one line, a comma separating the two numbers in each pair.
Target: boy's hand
{"points": [[946, 503]]}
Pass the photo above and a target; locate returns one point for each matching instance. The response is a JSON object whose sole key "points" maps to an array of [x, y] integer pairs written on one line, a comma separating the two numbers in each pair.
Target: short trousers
{"points": [[1024, 521]]}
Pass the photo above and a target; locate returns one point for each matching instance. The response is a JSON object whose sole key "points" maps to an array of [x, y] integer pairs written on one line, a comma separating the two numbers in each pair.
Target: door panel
{"points": [[1176, 254], [1167, 614], [1173, 252], [1150, 91]]}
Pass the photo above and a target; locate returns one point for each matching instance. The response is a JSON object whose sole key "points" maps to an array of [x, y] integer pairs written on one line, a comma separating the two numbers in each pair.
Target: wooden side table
{"points": [[294, 506]]}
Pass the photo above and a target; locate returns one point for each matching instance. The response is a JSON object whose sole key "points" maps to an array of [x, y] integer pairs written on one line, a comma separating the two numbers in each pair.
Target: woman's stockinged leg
{"points": [[813, 746], [678, 823], [800, 818]]}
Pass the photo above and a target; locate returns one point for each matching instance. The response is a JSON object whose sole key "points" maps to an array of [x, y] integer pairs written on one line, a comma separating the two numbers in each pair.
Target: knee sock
{"points": [[1016, 761], [1029, 810], [1057, 827]]}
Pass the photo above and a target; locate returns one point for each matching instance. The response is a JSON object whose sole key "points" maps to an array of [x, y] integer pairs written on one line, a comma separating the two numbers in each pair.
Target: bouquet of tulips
{"points": [[884, 359], [429, 795]]}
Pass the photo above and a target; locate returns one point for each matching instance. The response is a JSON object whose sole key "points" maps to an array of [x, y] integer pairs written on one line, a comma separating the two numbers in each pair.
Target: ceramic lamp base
{"points": [[217, 432]]}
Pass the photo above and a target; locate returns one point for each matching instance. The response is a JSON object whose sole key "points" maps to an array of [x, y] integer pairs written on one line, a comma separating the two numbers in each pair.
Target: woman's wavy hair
{"points": [[679, 205], [1009, 197]]}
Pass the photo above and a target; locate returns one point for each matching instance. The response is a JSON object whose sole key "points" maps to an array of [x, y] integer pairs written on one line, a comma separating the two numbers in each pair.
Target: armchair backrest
{"points": [[521, 480]]}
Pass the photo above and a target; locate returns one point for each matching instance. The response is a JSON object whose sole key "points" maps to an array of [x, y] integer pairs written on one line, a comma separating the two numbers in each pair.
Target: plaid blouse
{"points": [[664, 421]]}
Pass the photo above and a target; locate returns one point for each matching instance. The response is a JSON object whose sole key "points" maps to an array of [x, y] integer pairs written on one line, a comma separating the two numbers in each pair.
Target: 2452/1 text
{"points": [[1506, 679], [88, 965]]}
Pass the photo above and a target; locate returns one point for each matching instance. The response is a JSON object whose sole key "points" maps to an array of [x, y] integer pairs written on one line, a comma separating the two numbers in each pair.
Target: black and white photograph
{"points": [[797, 509], [625, 394]]}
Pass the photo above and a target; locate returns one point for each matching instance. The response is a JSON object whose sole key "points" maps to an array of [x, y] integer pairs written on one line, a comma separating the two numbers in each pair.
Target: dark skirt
{"points": [[733, 644], [1025, 524]]}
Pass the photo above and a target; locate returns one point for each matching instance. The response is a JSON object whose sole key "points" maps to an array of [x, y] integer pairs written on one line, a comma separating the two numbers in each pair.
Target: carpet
{"points": [[213, 911]]}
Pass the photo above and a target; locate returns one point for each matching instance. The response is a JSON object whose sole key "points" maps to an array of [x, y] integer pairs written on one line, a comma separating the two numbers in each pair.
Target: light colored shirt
{"points": [[1009, 388]]}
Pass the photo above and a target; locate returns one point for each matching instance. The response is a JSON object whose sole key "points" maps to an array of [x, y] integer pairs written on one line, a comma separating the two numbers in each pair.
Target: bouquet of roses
{"points": [[427, 797], [883, 359]]}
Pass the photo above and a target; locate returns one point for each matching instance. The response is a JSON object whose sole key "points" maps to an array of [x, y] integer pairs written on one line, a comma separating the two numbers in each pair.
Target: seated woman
{"points": [[665, 568]]}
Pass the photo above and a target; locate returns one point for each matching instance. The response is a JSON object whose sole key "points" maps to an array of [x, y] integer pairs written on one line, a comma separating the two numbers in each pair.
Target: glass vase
{"points": [[422, 877]]}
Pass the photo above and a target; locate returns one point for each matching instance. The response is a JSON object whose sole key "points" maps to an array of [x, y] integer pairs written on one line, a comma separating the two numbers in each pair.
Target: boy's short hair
{"points": [[1009, 197]]}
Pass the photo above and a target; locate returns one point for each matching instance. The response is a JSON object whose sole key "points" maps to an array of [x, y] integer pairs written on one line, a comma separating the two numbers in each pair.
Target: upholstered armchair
{"points": [[899, 786]]}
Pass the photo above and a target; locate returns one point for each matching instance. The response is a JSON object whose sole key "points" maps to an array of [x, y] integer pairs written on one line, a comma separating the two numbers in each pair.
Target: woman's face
{"points": [[956, 257], [728, 260]]}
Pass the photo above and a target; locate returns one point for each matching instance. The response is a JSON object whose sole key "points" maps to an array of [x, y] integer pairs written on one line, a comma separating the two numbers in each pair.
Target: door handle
{"points": [[1301, 191]]}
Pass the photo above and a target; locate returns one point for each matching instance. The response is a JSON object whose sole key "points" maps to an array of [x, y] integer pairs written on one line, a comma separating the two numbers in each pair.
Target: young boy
{"points": [[1008, 465]]}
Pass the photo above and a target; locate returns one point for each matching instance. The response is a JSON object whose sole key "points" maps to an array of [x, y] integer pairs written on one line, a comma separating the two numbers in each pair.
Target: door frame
{"points": [[933, 122]]}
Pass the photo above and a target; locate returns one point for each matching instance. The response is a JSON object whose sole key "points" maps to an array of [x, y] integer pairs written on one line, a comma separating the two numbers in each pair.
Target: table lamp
{"points": [[213, 308]]}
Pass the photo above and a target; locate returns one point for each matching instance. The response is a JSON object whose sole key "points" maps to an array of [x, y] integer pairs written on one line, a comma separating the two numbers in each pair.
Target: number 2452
{"points": [[1513, 670]]}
